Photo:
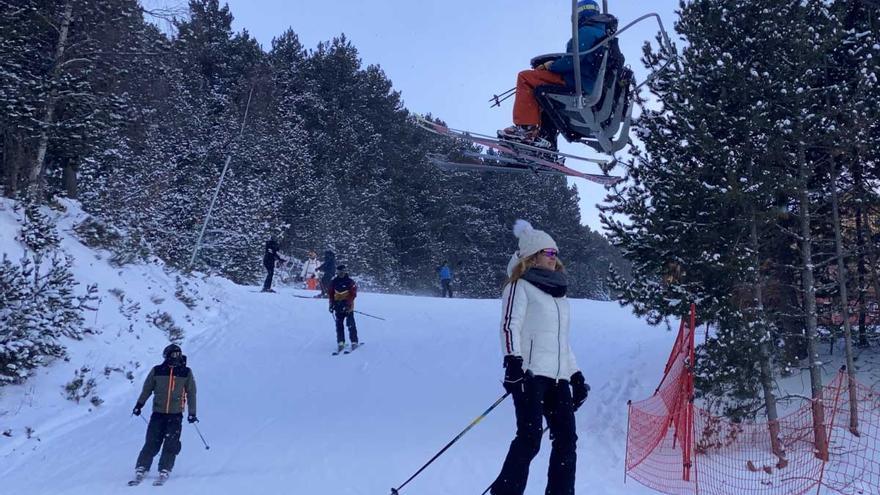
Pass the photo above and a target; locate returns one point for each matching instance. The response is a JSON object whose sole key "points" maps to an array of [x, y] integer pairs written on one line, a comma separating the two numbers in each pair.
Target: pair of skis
{"points": [[511, 156], [348, 350]]}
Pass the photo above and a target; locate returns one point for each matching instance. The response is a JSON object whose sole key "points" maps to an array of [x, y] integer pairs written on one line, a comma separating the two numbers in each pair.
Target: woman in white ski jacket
{"points": [[310, 266], [540, 369]]}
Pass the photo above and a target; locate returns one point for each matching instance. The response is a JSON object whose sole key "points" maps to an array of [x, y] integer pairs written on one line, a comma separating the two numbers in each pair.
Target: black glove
{"points": [[579, 389], [513, 374], [137, 409], [192, 418], [331, 309]]}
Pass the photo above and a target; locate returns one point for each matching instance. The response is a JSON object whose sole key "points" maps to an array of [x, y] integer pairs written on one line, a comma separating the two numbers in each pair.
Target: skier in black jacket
{"points": [[270, 257], [173, 388], [327, 269]]}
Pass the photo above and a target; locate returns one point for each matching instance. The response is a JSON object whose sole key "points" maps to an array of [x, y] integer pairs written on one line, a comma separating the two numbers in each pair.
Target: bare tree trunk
{"points": [[872, 262], [766, 363], [844, 302], [860, 246], [34, 185], [69, 178], [8, 163], [14, 160], [809, 285], [860, 276]]}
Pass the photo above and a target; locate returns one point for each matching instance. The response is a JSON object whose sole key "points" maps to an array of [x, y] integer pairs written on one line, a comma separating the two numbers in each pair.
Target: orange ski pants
{"points": [[525, 107]]}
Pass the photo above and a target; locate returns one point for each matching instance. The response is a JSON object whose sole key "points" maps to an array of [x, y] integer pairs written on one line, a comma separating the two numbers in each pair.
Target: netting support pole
{"points": [[629, 408], [838, 385], [688, 397]]}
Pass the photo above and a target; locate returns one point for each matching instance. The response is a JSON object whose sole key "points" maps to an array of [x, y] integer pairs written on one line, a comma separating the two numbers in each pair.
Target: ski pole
{"points": [[503, 96], [493, 483], [371, 316], [200, 436], [394, 491]]}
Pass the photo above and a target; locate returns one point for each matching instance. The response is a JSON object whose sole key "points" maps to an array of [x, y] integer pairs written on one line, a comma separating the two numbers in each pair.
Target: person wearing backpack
{"points": [[526, 126], [341, 293], [173, 388]]}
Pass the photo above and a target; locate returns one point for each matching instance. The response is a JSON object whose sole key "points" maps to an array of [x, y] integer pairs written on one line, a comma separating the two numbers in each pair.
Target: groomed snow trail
{"points": [[283, 416]]}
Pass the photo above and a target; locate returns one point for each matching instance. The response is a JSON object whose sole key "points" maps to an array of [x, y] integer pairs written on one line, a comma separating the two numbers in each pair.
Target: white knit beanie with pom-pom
{"points": [[531, 240]]}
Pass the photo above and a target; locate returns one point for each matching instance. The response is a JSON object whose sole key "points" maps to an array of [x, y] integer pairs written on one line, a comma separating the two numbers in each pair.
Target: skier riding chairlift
{"points": [[588, 98]]}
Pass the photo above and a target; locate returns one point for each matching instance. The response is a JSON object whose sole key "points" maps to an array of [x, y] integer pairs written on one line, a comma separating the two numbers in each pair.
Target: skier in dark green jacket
{"points": [[173, 388]]}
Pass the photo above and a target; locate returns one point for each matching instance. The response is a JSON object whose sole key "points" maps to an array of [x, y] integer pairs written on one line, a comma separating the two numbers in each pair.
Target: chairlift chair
{"points": [[599, 117]]}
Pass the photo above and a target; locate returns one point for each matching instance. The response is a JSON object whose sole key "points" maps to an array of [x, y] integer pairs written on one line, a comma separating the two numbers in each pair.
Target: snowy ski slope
{"points": [[283, 416]]}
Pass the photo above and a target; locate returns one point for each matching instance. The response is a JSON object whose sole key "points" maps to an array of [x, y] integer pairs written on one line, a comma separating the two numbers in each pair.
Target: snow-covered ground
{"points": [[283, 416]]}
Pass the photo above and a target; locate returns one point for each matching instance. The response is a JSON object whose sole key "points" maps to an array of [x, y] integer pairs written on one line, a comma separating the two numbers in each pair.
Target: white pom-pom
{"points": [[520, 227]]}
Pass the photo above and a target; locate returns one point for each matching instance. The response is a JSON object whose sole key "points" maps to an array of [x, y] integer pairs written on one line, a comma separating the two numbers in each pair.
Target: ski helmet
{"points": [[172, 351], [588, 8], [341, 268]]}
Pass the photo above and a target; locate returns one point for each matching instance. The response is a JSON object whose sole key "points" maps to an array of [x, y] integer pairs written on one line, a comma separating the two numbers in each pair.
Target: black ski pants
{"points": [[162, 432], [270, 268], [446, 288], [348, 318], [541, 396]]}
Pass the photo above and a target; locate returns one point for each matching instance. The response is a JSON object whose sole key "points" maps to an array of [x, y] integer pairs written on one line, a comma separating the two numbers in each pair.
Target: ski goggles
{"points": [[550, 253]]}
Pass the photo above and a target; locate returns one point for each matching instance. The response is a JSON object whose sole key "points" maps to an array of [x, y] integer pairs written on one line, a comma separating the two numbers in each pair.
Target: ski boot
{"points": [[525, 134], [139, 474], [163, 477]]}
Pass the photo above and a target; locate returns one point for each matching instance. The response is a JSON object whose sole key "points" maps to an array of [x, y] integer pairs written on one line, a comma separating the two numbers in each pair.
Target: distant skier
{"points": [[309, 271], [327, 269], [526, 111], [445, 280], [341, 293], [172, 384], [270, 258], [539, 364]]}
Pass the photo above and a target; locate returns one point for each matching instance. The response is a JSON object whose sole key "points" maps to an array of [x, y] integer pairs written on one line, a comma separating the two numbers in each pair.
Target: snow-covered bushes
{"points": [[82, 386], [163, 321], [125, 248], [38, 305]]}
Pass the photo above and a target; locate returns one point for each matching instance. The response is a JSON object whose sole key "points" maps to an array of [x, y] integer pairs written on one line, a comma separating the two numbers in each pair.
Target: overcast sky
{"points": [[449, 57]]}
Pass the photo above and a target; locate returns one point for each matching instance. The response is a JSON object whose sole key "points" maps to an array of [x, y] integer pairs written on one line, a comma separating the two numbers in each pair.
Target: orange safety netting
{"points": [[678, 449]]}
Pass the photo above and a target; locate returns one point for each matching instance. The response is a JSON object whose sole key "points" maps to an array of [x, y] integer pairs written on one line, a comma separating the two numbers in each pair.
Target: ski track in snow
{"points": [[283, 416]]}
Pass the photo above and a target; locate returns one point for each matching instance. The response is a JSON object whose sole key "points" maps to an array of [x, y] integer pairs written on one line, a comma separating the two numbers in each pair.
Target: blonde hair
{"points": [[525, 263]]}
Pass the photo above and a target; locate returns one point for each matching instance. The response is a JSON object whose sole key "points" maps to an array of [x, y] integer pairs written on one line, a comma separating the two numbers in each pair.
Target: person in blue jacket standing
{"points": [[560, 72], [445, 280]]}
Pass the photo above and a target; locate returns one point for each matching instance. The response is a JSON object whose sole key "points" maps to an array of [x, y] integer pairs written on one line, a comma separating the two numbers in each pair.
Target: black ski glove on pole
{"points": [[579, 389], [513, 373], [192, 418], [137, 409]]}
